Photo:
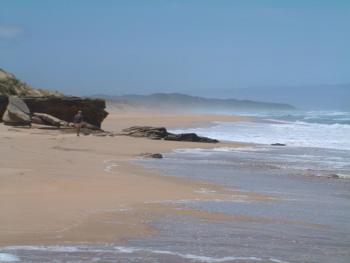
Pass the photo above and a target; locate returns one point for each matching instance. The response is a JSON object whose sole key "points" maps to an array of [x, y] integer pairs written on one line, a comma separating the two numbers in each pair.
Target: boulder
{"points": [[158, 133], [17, 113], [64, 108]]}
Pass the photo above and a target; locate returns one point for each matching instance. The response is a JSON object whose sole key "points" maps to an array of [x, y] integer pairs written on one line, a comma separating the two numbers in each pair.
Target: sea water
{"points": [[310, 178], [308, 221]]}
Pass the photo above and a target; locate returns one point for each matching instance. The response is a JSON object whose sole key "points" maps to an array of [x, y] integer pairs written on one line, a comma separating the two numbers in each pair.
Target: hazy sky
{"points": [[197, 47]]}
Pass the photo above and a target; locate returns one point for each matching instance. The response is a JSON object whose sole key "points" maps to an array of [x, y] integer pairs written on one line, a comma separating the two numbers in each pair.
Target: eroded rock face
{"points": [[17, 113], [158, 133], [64, 108]]}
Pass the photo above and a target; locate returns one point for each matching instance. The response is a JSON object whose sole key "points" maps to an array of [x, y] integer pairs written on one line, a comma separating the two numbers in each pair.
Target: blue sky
{"points": [[209, 48]]}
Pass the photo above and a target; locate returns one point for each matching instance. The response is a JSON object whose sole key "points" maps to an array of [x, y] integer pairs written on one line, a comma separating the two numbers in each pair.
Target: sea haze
{"points": [[183, 102]]}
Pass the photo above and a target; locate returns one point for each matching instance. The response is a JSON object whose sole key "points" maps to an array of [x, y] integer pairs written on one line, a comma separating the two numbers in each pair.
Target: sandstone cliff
{"points": [[50, 102]]}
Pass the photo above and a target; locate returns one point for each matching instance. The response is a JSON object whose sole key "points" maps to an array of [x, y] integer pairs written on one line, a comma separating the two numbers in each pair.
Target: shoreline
{"points": [[57, 188]]}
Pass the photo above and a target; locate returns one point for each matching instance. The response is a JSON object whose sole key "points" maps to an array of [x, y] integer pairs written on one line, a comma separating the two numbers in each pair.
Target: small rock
{"points": [[278, 144], [333, 176], [152, 155]]}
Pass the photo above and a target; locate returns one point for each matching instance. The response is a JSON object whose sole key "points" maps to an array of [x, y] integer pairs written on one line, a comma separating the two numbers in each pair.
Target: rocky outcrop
{"points": [[64, 108], [17, 113], [278, 144], [155, 133], [50, 102], [158, 133], [189, 137]]}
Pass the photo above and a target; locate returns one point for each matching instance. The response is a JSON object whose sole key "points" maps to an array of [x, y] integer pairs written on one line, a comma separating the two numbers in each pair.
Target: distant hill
{"points": [[10, 85], [182, 101]]}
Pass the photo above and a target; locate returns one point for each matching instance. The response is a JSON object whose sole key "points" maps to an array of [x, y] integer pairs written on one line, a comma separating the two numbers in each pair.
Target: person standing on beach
{"points": [[78, 121]]}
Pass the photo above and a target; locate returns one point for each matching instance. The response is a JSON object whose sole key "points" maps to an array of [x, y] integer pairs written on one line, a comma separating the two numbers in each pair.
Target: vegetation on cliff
{"points": [[12, 86]]}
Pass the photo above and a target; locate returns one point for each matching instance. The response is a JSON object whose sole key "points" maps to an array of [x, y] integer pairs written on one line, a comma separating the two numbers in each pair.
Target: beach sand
{"points": [[58, 188]]}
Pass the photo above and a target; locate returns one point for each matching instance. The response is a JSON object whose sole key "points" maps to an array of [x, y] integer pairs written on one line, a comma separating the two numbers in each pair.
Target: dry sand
{"points": [[57, 188]]}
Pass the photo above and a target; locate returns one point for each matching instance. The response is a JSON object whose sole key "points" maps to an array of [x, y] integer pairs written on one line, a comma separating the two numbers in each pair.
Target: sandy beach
{"points": [[60, 188]]}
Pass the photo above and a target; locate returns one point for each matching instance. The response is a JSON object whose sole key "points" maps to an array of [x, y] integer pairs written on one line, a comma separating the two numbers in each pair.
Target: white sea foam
{"points": [[47, 248], [200, 151], [343, 176], [332, 136], [110, 167], [6, 257], [110, 164], [195, 258], [277, 260], [204, 191]]}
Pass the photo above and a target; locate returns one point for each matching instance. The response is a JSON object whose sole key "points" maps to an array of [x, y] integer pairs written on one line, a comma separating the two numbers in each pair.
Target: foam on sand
{"points": [[6, 257], [130, 250]]}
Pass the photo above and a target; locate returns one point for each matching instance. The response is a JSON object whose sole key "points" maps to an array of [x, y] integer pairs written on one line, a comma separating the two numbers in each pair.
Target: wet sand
{"points": [[59, 188]]}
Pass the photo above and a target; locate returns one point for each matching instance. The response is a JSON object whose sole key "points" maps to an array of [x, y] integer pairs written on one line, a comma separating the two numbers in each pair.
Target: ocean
{"points": [[309, 177]]}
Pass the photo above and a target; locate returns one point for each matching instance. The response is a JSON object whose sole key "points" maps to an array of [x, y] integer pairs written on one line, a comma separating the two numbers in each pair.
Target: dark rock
{"points": [[3, 105], [155, 133], [158, 133], [152, 155], [64, 108], [17, 113], [333, 176], [278, 144], [189, 137]]}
